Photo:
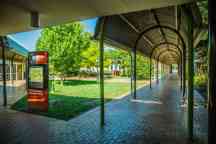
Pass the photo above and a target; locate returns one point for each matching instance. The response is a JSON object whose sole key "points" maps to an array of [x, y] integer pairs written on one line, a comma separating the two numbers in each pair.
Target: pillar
{"points": [[170, 69], [190, 76], [131, 73], [157, 71], [184, 74], [101, 75], [12, 66], [11, 71], [179, 74], [134, 52], [2, 44], [211, 74], [150, 72], [16, 71]]}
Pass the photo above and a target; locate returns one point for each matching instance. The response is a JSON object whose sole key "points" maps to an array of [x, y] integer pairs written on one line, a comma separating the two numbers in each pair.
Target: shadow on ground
{"points": [[61, 107]]}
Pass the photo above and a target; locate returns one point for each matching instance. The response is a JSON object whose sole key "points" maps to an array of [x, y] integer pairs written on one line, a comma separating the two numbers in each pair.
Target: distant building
{"points": [[16, 56]]}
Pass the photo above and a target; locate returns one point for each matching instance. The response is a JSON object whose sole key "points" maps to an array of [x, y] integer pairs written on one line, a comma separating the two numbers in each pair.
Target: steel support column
{"points": [[184, 75], [181, 80], [190, 76], [170, 69], [150, 73], [131, 66], [2, 44], [157, 76], [101, 58], [134, 52], [211, 74], [12, 63]]}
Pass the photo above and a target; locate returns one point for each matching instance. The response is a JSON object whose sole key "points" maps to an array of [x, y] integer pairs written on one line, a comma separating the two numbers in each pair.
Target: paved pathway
{"points": [[156, 117], [14, 92]]}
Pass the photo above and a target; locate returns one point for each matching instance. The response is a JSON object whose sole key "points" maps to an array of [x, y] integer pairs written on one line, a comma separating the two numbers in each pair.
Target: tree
{"points": [[124, 58], [64, 44], [90, 56], [143, 67], [203, 7]]}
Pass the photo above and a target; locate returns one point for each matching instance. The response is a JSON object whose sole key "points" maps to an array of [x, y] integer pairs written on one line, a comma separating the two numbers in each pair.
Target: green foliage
{"points": [[118, 56], [200, 83], [203, 6], [64, 44], [124, 58], [70, 48], [90, 56], [200, 80], [143, 67]]}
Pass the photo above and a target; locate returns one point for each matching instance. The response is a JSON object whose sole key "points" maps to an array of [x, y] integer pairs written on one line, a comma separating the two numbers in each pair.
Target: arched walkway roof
{"points": [[158, 21], [15, 14], [153, 31]]}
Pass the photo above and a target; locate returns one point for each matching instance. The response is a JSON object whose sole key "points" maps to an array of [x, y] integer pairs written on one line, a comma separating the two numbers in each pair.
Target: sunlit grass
{"points": [[75, 97]]}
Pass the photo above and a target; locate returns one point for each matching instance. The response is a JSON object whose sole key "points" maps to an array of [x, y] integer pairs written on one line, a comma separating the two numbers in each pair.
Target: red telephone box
{"points": [[37, 85]]}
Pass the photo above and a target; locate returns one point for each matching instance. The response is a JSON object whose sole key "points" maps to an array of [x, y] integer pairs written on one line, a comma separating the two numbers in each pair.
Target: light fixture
{"points": [[35, 20]]}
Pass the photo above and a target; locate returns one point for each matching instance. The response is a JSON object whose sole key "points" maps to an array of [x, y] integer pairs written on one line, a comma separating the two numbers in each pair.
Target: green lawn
{"points": [[76, 97]]}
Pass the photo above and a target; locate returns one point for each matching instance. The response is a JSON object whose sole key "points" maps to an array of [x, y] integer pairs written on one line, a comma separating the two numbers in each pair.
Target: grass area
{"points": [[76, 97]]}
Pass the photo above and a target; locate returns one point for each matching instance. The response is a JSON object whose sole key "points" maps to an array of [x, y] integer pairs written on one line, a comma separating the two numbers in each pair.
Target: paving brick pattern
{"points": [[156, 117]]}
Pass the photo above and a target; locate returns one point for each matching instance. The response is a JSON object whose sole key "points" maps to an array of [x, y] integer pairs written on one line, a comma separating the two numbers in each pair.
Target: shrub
{"points": [[200, 80]]}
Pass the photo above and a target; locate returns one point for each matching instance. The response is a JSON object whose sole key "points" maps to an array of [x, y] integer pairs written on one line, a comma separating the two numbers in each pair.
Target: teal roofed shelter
{"points": [[16, 56], [15, 50]]}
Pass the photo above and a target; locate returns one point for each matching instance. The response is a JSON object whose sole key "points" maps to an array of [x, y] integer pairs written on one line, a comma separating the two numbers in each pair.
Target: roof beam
{"points": [[135, 29], [158, 23], [161, 30]]}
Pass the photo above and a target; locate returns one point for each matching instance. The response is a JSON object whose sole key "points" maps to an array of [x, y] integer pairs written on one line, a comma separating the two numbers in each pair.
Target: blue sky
{"points": [[29, 39]]}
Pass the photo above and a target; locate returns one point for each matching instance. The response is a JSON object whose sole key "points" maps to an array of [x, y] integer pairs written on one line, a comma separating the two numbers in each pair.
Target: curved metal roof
{"points": [[158, 33]]}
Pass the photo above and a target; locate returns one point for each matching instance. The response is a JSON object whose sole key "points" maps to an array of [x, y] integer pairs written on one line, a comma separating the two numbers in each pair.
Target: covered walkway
{"points": [[167, 32], [155, 117]]}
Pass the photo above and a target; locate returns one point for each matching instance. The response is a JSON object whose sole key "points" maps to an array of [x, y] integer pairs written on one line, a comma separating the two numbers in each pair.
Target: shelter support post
{"points": [[150, 73], [101, 61], [178, 70], [211, 74], [2, 44], [190, 75], [181, 80], [157, 71], [184, 75], [134, 71], [12, 67], [170, 68], [131, 66]]}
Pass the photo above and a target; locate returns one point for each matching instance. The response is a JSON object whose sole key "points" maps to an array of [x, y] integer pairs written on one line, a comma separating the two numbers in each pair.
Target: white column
{"points": [[16, 71], [11, 71]]}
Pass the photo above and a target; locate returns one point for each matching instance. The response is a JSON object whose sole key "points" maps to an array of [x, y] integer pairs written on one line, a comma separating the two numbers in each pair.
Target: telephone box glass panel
{"points": [[36, 77]]}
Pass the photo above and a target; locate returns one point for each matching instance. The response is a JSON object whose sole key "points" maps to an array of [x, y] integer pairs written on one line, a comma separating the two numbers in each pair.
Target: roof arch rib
{"points": [[157, 46], [170, 51], [167, 62], [163, 27]]}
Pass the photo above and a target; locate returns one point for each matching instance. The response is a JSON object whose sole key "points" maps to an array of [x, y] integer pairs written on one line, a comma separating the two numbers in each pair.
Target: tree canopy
{"points": [[65, 43], [70, 48], [203, 6]]}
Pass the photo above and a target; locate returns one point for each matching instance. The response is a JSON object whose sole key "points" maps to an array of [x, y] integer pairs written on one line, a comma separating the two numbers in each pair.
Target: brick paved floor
{"points": [[156, 117]]}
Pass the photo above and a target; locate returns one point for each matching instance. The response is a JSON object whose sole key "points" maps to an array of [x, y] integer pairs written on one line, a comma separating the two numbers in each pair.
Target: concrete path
{"points": [[14, 92], [156, 117]]}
